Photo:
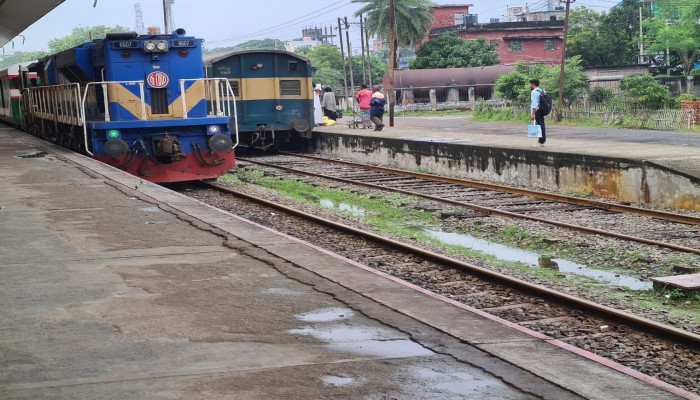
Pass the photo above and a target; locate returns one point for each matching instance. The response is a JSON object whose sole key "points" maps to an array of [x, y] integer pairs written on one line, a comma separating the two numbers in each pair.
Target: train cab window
{"points": [[290, 87], [236, 87], [293, 65]]}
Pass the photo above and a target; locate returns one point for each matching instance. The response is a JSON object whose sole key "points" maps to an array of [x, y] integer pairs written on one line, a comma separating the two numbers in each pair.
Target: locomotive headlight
{"points": [[149, 46], [213, 129], [162, 46]]}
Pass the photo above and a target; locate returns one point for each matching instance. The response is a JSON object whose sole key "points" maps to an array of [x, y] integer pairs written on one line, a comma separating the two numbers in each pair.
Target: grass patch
{"points": [[386, 214], [393, 215]]}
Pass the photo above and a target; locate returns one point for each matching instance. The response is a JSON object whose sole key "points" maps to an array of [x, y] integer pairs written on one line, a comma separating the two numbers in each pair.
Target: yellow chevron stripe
{"points": [[132, 103]]}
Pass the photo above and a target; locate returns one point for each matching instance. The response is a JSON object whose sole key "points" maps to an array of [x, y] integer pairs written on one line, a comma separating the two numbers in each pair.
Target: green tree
{"points": [[413, 19], [605, 39], [644, 90], [676, 28], [82, 35], [514, 86], [274, 44], [328, 65], [450, 51], [19, 57]]}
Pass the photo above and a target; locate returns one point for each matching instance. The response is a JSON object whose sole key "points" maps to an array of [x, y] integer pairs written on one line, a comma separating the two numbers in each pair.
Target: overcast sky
{"points": [[229, 22]]}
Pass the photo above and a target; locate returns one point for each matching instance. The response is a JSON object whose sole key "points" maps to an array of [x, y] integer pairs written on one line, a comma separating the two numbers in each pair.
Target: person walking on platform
{"points": [[328, 103], [364, 97], [318, 112], [536, 113], [376, 111]]}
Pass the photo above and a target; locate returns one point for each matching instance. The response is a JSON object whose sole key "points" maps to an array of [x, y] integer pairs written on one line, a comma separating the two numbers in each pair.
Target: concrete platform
{"points": [[642, 166], [115, 288]]}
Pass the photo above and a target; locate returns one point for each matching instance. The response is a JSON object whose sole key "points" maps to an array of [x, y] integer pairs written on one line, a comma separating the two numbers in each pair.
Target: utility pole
{"points": [[347, 38], [342, 58], [369, 55], [641, 37], [168, 16], [392, 54], [362, 42], [560, 103]]}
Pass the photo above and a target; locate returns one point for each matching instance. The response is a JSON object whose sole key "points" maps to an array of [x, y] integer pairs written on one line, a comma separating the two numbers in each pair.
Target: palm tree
{"points": [[413, 19]]}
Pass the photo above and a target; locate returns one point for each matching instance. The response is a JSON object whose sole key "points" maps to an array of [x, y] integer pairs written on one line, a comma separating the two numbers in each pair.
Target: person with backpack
{"points": [[540, 105]]}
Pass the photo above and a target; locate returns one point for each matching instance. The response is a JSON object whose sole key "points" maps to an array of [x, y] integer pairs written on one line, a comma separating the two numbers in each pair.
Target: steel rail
{"points": [[487, 210], [663, 215], [678, 335]]}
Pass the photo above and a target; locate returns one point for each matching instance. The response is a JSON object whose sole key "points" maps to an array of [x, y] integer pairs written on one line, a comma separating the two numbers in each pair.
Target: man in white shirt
{"points": [[536, 113]]}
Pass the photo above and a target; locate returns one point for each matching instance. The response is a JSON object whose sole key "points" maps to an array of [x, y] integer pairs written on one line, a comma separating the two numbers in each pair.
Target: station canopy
{"points": [[18, 15]]}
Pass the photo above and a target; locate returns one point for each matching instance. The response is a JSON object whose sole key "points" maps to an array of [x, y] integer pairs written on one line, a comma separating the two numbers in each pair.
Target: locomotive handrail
{"points": [[221, 105], [105, 99]]}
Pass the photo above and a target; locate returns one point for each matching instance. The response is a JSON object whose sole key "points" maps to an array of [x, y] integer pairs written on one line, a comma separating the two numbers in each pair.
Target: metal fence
{"points": [[633, 117]]}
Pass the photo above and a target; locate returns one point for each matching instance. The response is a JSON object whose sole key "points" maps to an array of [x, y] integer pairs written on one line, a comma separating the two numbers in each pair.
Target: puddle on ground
{"points": [[330, 380], [364, 340], [153, 209], [462, 383], [507, 253], [327, 315], [355, 211]]}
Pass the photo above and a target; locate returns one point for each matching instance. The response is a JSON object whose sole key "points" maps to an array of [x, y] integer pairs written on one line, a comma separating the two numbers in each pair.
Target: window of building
{"points": [[516, 46], [494, 42], [459, 18], [550, 44], [290, 87]]}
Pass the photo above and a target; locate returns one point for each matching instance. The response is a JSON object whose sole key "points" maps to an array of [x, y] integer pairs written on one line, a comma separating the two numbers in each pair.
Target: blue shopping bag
{"points": [[534, 131]]}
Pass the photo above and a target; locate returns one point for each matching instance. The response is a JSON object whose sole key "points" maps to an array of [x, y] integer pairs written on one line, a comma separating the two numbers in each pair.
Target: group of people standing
{"points": [[371, 105]]}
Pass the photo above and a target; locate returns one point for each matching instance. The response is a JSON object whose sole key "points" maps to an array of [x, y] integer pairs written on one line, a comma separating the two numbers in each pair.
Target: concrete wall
{"points": [[616, 178]]}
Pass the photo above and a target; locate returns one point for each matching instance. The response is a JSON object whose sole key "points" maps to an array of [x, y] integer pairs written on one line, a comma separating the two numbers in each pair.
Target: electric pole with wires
{"points": [[392, 55], [560, 103]]}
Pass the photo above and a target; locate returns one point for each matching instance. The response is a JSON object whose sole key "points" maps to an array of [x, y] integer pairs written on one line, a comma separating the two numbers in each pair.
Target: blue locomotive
{"points": [[274, 94], [139, 103]]}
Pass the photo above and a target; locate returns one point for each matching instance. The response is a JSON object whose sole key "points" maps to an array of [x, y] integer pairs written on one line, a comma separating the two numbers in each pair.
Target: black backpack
{"points": [[545, 103]]}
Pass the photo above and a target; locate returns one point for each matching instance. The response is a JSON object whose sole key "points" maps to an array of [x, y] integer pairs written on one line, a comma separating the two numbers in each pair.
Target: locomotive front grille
{"points": [[159, 101]]}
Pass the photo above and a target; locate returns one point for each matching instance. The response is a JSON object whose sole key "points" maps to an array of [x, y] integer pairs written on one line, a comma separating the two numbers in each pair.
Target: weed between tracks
{"points": [[402, 217]]}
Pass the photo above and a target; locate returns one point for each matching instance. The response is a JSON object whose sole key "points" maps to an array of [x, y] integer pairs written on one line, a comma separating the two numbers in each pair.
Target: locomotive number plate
{"points": [[126, 44], [183, 43]]}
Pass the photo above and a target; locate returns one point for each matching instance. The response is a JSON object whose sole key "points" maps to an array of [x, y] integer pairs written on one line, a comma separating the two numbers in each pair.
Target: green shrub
{"points": [[600, 95]]}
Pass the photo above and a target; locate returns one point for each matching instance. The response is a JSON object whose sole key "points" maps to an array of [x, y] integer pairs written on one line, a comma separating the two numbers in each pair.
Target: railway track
{"points": [[673, 231], [648, 346]]}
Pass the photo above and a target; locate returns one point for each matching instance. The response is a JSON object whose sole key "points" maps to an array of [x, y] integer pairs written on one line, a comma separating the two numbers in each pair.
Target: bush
{"points": [[600, 95], [645, 91]]}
